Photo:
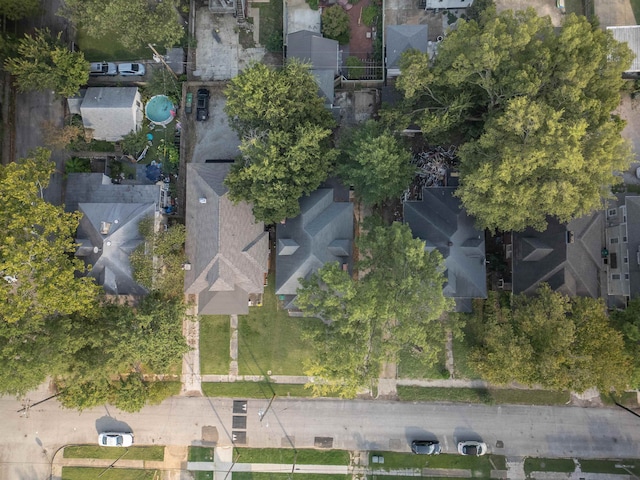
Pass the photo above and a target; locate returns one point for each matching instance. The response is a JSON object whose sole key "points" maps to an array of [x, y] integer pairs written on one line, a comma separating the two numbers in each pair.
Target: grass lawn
{"points": [[480, 466], [635, 6], [214, 344], [609, 466], [109, 49], [270, 340], [254, 390], [461, 364], [134, 453], [628, 399], [410, 367], [200, 454], [561, 465], [576, 6], [287, 455], [285, 476], [270, 19], [203, 475], [88, 473], [488, 396]]}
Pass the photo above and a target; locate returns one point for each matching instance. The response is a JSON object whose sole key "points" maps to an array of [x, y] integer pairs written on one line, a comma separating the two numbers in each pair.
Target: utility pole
{"points": [[158, 57]]}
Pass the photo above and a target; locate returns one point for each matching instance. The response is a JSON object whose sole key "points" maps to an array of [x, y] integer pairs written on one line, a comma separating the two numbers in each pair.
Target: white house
{"points": [[111, 112]]}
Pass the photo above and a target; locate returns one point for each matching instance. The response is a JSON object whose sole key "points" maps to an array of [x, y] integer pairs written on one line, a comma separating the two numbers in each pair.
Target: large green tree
{"points": [[398, 303], [375, 162], [551, 340], [17, 9], [285, 130], [43, 62], [39, 272], [532, 107], [628, 322], [335, 24], [135, 23]]}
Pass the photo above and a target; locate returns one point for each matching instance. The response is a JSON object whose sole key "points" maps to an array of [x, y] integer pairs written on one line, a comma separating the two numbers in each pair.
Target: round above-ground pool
{"points": [[160, 110]]}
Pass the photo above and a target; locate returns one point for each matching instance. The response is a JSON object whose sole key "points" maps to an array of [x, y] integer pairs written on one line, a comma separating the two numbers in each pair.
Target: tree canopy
{"points": [[397, 303], [335, 24], [531, 106], [135, 23], [17, 9], [375, 162], [37, 246], [43, 62], [284, 129], [551, 340]]}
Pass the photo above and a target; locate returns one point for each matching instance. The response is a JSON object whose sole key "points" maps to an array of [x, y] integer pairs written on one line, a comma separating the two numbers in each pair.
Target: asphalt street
{"points": [[28, 441]]}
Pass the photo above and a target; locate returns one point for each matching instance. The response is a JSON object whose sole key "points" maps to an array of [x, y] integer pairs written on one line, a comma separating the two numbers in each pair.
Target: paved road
{"points": [[26, 444]]}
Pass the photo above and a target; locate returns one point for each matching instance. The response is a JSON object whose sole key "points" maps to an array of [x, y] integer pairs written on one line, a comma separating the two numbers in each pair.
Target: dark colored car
{"points": [[188, 108], [425, 447], [203, 104]]}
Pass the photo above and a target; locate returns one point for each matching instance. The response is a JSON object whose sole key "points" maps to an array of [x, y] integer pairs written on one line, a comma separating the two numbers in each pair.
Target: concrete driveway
{"points": [[629, 110], [220, 60], [299, 16]]}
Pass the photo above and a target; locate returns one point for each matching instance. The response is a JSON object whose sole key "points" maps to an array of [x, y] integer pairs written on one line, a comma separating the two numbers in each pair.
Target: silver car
{"points": [[131, 69], [471, 447], [103, 68], [115, 439]]}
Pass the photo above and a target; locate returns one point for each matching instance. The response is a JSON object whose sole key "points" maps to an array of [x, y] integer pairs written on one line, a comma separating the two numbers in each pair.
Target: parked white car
{"points": [[115, 439], [103, 68], [131, 69], [471, 447]]}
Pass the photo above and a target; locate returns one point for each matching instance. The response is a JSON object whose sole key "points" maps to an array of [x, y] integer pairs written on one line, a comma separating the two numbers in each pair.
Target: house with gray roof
{"points": [[108, 229], [567, 256], [622, 250], [110, 113], [401, 38], [322, 233], [227, 250], [321, 53], [439, 219]]}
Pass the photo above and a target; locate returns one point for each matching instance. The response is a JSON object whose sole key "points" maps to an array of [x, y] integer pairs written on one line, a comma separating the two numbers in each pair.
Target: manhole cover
{"points": [[499, 444], [239, 437], [323, 442], [239, 406], [209, 434], [239, 422]]}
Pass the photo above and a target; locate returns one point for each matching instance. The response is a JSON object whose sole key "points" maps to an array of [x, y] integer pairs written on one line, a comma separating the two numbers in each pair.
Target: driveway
{"points": [[629, 110], [219, 55], [542, 7], [299, 16]]}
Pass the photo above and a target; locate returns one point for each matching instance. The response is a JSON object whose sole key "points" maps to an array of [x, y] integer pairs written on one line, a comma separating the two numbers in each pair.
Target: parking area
{"points": [[219, 55], [299, 16], [629, 110]]}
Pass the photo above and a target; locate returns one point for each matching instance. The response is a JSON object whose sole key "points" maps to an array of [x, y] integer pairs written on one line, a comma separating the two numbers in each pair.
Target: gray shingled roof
{"points": [[97, 188], [401, 38], [570, 268], [107, 235], [111, 112], [322, 233], [443, 224], [227, 249], [313, 48], [631, 36]]}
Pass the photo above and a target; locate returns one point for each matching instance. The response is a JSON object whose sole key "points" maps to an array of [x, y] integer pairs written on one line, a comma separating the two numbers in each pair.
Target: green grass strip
{"points": [[88, 473], [489, 396], [203, 475], [396, 460], [610, 466], [560, 465], [284, 476], [288, 455], [214, 344], [133, 453], [200, 454], [254, 390]]}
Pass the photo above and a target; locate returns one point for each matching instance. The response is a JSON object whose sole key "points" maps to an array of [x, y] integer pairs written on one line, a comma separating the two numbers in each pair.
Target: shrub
{"points": [[274, 41], [335, 24], [369, 14], [355, 68], [313, 4]]}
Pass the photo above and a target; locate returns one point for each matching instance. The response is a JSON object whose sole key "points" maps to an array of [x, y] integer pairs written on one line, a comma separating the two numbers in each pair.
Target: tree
{"points": [[263, 99], [398, 303], [135, 23], [45, 63], [533, 108], [59, 137], [37, 247], [335, 24], [275, 171], [376, 163], [17, 9], [553, 341], [627, 321]]}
